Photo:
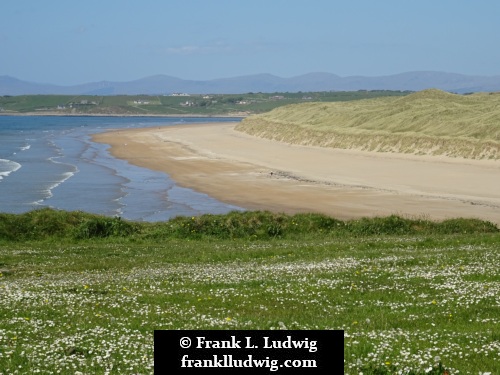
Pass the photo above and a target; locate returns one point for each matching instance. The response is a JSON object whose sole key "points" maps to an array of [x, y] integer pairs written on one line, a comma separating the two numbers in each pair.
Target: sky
{"points": [[69, 42]]}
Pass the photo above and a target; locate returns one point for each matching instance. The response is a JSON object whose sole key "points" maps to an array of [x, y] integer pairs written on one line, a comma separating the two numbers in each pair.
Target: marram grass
{"points": [[411, 301], [429, 122], [57, 225]]}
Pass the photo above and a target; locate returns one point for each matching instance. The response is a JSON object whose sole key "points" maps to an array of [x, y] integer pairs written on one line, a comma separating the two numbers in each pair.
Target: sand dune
{"points": [[429, 122], [256, 173]]}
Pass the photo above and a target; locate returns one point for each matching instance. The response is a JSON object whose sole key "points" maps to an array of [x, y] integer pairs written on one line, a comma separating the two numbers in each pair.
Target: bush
{"points": [[381, 225], [254, 225], [48, 223], [103, 227], [37, 224], [456, 226]]}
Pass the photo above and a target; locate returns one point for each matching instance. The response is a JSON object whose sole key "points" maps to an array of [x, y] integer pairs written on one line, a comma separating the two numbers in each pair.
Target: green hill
{"points": [[172, 105], [429, 122]]}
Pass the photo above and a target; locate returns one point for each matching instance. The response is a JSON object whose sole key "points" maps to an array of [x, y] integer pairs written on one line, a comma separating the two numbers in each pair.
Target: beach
{"points": [[260, 174]]}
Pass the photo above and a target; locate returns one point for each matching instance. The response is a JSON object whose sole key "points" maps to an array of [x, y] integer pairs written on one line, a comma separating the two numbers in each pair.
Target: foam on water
{"points": [[7, 167], [62, 168]]}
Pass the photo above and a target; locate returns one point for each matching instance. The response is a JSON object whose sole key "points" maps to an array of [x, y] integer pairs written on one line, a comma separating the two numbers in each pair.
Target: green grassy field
{"points": [[206, 105], [83, 294], [427, 122]]}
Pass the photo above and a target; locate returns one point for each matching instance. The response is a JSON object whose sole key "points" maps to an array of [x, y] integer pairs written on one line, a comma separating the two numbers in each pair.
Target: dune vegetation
{"points": [[429, 122], [83, 294]]}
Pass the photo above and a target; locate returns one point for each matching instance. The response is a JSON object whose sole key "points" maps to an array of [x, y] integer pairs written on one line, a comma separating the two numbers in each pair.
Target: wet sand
{"points": [[255, 173]]}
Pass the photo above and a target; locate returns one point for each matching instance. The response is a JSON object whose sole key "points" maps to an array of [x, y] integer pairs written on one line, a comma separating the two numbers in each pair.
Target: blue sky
{"points": [[69, 42]]}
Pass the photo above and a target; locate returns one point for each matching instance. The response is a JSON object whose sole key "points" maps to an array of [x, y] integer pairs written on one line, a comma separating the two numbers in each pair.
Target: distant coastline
{"points": [[58, 114], [223, 105]]}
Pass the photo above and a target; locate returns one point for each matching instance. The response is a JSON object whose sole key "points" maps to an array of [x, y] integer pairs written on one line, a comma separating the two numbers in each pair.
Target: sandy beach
{"points": [[255, 173]]}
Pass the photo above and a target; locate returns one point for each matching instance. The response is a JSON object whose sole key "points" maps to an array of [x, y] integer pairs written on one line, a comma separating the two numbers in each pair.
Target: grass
{"points": [[206, 105], [56, 225], [83, 293], [428, 122]]}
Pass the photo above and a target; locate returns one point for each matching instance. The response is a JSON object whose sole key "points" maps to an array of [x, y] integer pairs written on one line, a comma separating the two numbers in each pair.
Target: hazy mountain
{"points": [[14, 86], [162, 84]]}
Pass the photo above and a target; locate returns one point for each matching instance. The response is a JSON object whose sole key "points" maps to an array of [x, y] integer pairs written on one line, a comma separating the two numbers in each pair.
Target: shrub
{"points": [[460, 225], [103, 227], [262, 225], [38, 224], [381, 225]]}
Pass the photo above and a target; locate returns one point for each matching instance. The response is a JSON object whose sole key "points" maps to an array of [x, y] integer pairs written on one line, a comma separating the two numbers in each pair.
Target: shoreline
{"points": [[260, 174], [56, 114]]}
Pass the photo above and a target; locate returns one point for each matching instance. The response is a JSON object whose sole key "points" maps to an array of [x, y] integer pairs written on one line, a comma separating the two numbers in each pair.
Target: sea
{"points": [[51, 161]]}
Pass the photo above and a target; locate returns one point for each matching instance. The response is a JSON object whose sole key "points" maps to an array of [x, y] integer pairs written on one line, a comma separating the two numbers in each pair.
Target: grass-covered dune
{"points": [[429, 122]]}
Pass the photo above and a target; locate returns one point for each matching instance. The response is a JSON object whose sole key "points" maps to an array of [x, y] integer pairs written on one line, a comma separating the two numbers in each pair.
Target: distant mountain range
{"points": [[162, 84]]}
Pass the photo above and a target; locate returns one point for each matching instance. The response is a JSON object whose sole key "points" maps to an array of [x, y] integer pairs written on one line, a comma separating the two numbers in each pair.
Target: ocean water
{"points": [[50, 161]]}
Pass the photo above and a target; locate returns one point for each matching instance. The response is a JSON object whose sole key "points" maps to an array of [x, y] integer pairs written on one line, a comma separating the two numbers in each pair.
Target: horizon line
{"points": [[243, 76]]}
